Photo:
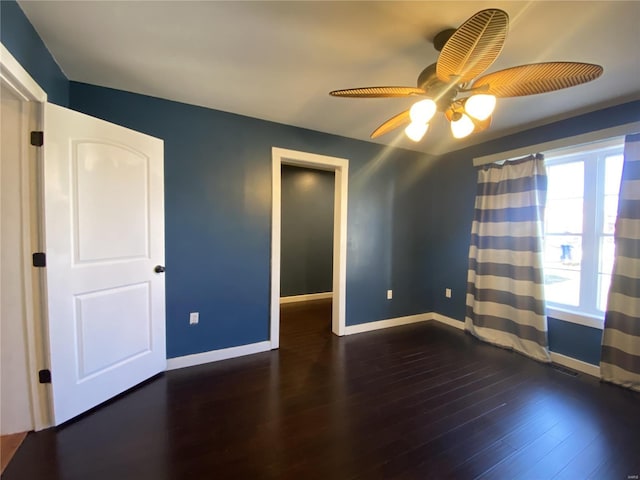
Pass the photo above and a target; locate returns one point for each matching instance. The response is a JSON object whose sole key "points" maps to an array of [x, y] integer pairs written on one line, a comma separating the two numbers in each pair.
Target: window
{"points": [[580, 217]]}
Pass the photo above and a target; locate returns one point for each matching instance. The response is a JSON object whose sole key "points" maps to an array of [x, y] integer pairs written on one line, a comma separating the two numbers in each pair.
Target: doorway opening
{"points": [[321, 162], [306, 234]]}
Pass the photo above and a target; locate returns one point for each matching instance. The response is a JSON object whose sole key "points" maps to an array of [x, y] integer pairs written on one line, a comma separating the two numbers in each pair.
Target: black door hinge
{"points": [[39, 259], [37, 138], [44, 376]]}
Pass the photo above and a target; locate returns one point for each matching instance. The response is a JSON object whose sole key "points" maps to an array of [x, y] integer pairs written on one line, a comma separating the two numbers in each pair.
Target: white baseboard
{"points": [[558, 358], [217, 355], [452, 322], [391, 322], [575, 364], [233, 352], [306, 298]]}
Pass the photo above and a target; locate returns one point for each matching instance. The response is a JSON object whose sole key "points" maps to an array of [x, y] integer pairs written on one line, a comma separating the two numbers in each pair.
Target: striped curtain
{"points": [[620, 359], [505, 282]]}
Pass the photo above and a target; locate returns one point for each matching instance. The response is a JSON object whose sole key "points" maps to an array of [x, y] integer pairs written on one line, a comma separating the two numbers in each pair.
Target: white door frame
{"points": [[19, 80], [340, 166]]}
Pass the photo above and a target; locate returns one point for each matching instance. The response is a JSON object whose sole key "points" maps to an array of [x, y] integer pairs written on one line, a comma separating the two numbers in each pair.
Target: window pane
{"points": [[562, 286], [604, 281], [563, 251], [612, 174], [577, 216], [565, 180], [562, 257], [607, 253], [610, 214], [564, 216]]}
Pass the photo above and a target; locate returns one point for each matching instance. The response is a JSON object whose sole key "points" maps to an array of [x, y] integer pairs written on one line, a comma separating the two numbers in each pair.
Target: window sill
{"points": [[574, 317]]}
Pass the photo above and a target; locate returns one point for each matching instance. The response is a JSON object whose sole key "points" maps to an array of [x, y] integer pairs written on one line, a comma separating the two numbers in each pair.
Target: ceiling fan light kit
{"points": [[450, 86], [480, 106], [462, 127], [422, 111], [415, 131], [420, 114]]}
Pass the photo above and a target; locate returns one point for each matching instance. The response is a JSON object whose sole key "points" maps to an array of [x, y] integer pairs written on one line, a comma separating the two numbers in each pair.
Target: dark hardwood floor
{"points": [[423, 401]]}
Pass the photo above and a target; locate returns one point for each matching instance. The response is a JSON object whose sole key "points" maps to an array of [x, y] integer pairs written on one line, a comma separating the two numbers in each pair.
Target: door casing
{"points": [[340, 166], [18, 79]]}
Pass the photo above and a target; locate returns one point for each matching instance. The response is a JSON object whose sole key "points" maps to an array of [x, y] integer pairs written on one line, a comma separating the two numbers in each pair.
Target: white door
{"points": [[104, 236]]}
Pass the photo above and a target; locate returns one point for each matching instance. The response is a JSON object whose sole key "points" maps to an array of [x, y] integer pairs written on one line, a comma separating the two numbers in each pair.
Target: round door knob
{"points": [[159, 269]]}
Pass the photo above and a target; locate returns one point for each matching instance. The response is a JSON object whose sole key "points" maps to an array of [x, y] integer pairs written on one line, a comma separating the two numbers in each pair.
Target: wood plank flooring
{"points": [[423, 401], [9, 444]]}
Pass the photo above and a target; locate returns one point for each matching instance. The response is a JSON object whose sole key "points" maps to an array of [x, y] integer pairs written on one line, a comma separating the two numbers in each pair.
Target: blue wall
{"points": [[452, 182], [307, 231], [21, 39], [218, 217], [576, 341]]}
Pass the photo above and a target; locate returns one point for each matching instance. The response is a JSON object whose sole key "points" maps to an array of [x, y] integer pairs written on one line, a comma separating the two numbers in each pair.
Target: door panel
{"points": [[104, 227], [111, 183], [100, 321]]}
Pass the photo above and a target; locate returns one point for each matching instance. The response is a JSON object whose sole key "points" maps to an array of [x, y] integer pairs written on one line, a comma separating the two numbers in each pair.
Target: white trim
{"points": [[577, 152], [545, 147], [340, 166], [577, 318], [575, 364], [18, 78], [308, 297], [32, 278], [391, 322], [452, 322], [557, 358], [250, 349], [217, 355]]}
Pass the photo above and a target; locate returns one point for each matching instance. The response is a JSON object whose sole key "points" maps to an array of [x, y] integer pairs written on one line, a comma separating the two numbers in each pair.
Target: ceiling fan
{"points": [[450, 85]]}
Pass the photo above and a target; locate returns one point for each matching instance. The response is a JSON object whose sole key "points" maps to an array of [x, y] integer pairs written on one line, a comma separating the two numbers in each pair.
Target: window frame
{"points": [[593, 156]]}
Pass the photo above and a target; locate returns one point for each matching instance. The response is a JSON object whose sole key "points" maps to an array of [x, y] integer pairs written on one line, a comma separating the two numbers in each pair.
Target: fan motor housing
{"points": [[442, 93], [441, 38]]}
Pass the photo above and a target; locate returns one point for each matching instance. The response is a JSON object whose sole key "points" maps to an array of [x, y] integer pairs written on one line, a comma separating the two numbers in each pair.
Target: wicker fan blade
{"points": [[391, 124], [537, 78], [378, 92], [473, 47]]}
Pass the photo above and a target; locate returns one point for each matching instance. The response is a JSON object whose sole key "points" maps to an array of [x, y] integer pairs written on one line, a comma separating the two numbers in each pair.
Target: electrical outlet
{"points": [[389, 294], [194, 318], [447, 292]]}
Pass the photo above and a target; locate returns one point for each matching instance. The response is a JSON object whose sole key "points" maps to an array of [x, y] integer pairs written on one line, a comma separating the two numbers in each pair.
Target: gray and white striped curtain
{"points": [[620, 359], [505, 282]]}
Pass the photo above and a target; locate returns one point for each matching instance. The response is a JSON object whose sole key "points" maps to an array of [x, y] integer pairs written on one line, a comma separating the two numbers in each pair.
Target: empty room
{"points": [[319, 239]]}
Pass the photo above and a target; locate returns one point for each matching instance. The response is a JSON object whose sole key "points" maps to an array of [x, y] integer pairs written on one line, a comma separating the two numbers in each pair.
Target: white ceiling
{"points": [[278, 60]]}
